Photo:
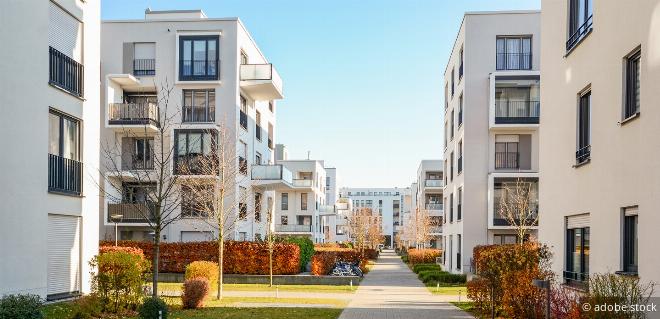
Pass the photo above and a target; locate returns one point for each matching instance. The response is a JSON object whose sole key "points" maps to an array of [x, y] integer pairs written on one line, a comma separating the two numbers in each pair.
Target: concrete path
{"points": [[392, 291]]}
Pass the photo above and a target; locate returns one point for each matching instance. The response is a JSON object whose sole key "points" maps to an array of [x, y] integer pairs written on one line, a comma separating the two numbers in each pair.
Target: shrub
{"points": [[347, 245], [422, 256], [195, 292], [325, 258], [421, 267], [612, 289], [241, 257], [306, 247], [118, 280], [150, 307], [431, 276], [371, 253], [87, 307], [20, 307], [203, 269], [404, 258], [130, 250]]}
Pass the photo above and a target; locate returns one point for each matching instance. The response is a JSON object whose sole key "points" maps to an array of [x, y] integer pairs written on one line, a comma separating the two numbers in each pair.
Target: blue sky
{"points": [[362, 79]]}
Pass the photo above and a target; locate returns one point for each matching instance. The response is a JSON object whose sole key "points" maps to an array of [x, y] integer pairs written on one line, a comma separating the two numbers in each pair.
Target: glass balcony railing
{"points": [[272, 172], [434, 183]]}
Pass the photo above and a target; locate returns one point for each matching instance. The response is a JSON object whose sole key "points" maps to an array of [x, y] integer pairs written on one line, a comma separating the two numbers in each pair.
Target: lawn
{"points": [[468, 307], [447, 290], [165, 286], [231, 301]]}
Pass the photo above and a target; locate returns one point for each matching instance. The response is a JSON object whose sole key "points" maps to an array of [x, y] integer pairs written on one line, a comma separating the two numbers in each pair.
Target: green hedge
{"points": [[306, 249], [430, 276], [422, 267]]}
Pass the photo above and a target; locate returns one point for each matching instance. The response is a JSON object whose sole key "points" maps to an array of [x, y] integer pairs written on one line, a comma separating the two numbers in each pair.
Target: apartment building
{"points": [[386, 201], [221, 85], [429, 198], [49, 229], [299, 186], [343, 208], [491, 128], [599, 166]]}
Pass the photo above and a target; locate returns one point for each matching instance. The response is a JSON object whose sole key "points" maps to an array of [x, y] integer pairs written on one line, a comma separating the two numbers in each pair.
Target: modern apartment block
{"points": [[49, 228], [599, 164], [220, 82], [491, 128], [299, 186], [429, 198], [386, 201]]}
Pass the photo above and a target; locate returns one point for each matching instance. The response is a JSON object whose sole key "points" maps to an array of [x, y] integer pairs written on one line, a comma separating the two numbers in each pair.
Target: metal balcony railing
{"points": [[64, 175], [293, 228], [131, 212], [579, 33], [434, 206], [583, 154], [517, 111], [144, 67], [133, 114], [504, 160], [198, 114], [198, 70], [514, 61], [65, 73]]}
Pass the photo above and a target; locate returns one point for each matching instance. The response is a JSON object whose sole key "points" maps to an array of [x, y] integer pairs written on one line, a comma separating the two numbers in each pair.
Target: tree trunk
{"points": [[156, 252], [270, 252], [221, 248]]}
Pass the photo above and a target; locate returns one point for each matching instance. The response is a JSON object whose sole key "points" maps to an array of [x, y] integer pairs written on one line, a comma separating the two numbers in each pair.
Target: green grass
{"points": [[467, 306], [258, 287], [262, 313], [447, 290]]}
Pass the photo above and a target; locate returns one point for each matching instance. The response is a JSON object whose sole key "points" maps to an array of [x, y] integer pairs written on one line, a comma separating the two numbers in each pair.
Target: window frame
{"points": [[632, 73], [209, 115], [630, 240], [284, 204], [583, 134], [60, 144], [584, 257], [521, 52], [193, 77], [177, 132]]}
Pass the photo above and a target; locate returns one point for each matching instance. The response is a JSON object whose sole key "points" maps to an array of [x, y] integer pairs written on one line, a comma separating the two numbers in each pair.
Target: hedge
{"points": [[306, 249], [441, 277], [240, 257], [325, 258], [422, 267], [422, 256]]}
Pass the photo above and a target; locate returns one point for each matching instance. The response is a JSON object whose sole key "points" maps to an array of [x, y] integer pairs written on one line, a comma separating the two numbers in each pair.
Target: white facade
{"points": [[491, 127], [428, 194], [386, 201], [218, 77], [49, 206], [599, 159]]}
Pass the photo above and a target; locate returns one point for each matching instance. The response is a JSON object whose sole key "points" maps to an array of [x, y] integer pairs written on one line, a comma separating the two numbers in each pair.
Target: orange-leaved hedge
{"points": [[324, 259], [422, 256], [240, 257], [130, 250]]}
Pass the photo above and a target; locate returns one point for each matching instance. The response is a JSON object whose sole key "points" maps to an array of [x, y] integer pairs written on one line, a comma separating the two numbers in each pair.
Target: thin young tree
{"points": [[143, 157], [220, 188], [518, 206], [271, 238], [424, 224], [364, 228]]}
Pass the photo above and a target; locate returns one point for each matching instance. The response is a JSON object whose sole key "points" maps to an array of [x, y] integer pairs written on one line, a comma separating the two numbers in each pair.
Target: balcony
{"points": [[142, 67], [271, 177], [261, 81], [434, 206], [65, 73], [517, 111], [434, 183], [507, 160], [327, 209], [64, 175], [303, 183], [130, 212], [514, 61], [141, 115], [293, 228]]}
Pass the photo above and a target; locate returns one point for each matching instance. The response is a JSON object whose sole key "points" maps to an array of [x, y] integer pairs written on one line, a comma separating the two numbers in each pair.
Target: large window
{"points": [[630, 240], [460, 110], [583, 153], [243, 113], [199, 105], [192, 203], [65, 43], [514, 53], [285, 201], [506, 155], [633, 63], [257, 207], [453, 87], [451, 208], [303, 201], [198, 58], [452, 130], [458, 251], [193, 151], [580, 21], [577, 255], [64, 166], [137, 153], [242, 205]]}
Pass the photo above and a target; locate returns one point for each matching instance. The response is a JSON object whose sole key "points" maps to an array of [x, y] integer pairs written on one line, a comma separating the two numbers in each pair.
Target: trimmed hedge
{"points": [[306, 249], [325, 258], [422, 256], [422, 267], [240, 257], [130, 250], [427, 276]]}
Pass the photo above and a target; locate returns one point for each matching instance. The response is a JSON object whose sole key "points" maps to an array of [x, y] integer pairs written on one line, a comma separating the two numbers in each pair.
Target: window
{"points": [[242, 236], [243, 113], [452, 83], [506, 155], [137, 153], [271, 132], [460, 157], [514, 53], [198, 58], [65, 41], [193, 147], [451, 167], [242, 206], [199, 105], [451, 208], [144, 58], [257, 207], [341, 230], [504, 239], [630, 240], [451, 130], [459, 208], [583, 153], [138, 193], [271, 106], [460, 110], [460, 64], [577, 255], [446, 96], [257, 123], [284, 220], [580, 21], [285, 201], [303, 201], [242, 158], [633, 70], [191, 205], [257, 158], [458, 252], [244, 57], [64, 166]]}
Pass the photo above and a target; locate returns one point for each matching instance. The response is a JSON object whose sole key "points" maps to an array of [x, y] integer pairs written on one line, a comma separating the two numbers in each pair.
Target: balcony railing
{"points": [[293, 228], [327, 209], [514, 61], [302, 182], [243, 120], [517, 112], [196, 70], [66, 73], [342, 206], [261, 72], [64, 175], [257, 132], [144, 67], [198, 114], [499, 221], [581, 31], [132, 162], [133, 114], [583, 154], [196, 164], [504, 160], [130, 212], [434, 183], [271, 172], [434, 206]]}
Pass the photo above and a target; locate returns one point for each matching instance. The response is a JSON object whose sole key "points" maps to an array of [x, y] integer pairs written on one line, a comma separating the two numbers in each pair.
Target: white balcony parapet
{"points": [[261, 81], [327, 209], [271, 172], [434, 206], [434, 183], [302, 183]]}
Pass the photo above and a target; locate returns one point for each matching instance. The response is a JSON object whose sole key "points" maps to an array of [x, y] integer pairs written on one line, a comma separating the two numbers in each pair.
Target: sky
{"points": [[363, 79]]}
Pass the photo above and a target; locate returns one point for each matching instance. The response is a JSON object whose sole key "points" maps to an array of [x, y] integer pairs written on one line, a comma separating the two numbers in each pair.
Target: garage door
{"points": [[196, 236], [63, 256]]}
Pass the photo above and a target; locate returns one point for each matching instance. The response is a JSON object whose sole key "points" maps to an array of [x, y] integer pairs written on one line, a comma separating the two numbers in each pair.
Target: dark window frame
{"points": [[188, 116], [583, 149], [576, 32], [629, 241], [577, 276], [206, 76], [502, 59], [632, 103], [284, 205], [177, 132]]}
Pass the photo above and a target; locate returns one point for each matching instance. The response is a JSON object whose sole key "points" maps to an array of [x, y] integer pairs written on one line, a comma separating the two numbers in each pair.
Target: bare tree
{"points": [[271, 238], [424, 225], [365, 228], [141, 157], [219, 191], [518, 206]]}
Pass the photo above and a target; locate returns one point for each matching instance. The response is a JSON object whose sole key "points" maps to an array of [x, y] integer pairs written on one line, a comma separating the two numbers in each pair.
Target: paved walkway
{"points": [[392, 291]]}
